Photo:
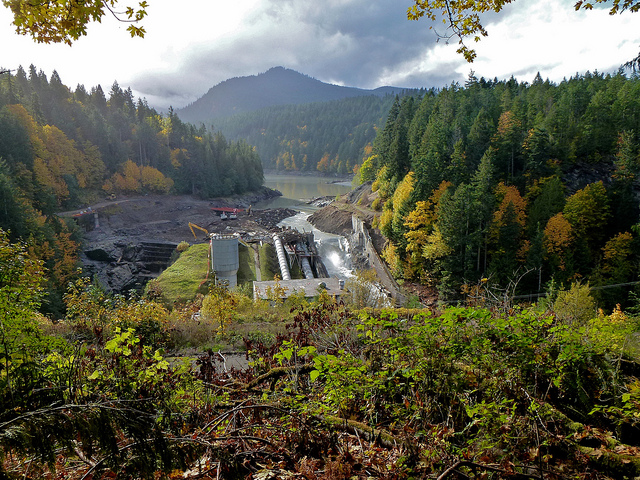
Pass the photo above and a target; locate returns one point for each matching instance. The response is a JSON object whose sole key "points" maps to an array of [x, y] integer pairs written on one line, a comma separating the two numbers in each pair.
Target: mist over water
{"points": [[298, 189]]}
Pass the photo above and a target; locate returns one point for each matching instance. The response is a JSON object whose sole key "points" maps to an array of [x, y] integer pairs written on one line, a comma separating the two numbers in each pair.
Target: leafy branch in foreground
{"points": [[116, 409], [391, 394], [66, 21], [461, 18]]}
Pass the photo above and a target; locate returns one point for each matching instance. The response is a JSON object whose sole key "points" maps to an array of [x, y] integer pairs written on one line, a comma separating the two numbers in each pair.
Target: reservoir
{"points": [[298, 189]]}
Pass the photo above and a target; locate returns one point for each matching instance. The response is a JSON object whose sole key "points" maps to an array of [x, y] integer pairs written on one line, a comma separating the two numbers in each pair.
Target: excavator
{"points": [[193, 225]]}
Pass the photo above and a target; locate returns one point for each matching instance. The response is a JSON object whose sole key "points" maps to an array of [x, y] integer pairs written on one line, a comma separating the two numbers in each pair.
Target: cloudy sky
{"points": [[192, 45]]}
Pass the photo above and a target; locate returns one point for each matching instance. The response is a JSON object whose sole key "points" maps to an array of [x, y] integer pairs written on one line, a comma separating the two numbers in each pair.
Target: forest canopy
{"points": [[327, 137], [501, 180]]}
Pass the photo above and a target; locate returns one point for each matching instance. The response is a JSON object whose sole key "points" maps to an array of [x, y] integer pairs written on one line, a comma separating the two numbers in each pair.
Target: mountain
{"points": [[277, 86]]}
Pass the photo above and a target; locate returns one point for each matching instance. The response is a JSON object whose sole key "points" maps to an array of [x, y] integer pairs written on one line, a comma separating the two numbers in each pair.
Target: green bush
{"points": [[576, 305]]}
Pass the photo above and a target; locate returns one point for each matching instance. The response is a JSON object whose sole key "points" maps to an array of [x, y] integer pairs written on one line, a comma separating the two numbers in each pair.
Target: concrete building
{"points": [[310, 287]]}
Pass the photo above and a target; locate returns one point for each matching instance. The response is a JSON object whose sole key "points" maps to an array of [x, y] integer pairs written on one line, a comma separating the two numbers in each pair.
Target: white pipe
{"points": [[282, 258]]}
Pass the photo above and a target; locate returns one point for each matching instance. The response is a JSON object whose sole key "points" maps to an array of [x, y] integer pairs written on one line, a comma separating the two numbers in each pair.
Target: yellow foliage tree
{"points": [[153, 180], [219, 305], [557, 240], [178, 157], [420, 223], [135, 179], [57, 157], [323, 164]]}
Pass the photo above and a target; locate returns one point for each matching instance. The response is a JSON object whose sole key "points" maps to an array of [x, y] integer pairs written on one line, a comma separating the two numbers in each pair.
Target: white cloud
{"points": [[195, 45]]}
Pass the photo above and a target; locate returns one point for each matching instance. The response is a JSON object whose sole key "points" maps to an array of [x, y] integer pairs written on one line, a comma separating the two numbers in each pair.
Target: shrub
{"points": [[576, 305]]}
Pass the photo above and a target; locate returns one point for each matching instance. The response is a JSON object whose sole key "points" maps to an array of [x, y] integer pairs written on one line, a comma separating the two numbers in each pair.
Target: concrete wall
{"points": [[360, 239]]}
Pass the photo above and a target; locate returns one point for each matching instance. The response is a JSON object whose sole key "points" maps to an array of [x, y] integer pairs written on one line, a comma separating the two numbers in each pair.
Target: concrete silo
{"points": [[224, 252]]}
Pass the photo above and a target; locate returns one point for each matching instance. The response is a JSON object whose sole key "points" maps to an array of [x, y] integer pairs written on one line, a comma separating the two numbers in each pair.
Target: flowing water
{"points": [[333, 249], [296, 190]]}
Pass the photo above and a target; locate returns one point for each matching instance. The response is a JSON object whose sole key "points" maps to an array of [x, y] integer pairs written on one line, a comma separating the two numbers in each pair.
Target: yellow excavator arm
{"points": [[192, 225]]}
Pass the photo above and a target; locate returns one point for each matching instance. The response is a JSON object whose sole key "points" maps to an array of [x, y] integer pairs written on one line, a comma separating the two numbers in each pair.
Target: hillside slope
{"points": [[277, 86]]}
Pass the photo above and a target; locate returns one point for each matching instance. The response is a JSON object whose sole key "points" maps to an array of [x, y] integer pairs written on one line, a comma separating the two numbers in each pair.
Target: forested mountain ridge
{"points": [[500, 181], [277, 86], [62, 149], [324, 136]]}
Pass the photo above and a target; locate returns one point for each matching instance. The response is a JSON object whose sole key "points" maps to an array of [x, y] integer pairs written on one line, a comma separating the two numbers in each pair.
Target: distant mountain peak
{"points": [[277, 86]]}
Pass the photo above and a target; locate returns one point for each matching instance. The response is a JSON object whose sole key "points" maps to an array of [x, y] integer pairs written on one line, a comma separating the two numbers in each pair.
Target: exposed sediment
{"points": [[332, 220], [129, 244]]}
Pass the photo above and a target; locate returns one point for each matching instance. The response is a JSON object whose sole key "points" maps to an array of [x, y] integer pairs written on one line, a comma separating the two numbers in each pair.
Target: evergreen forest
{"points": [[325, 137], [526, 187]]}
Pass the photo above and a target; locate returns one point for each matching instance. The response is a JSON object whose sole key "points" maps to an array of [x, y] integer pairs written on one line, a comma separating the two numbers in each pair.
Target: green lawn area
{"points": [[268, 262], [182, 280], [247, 269]]}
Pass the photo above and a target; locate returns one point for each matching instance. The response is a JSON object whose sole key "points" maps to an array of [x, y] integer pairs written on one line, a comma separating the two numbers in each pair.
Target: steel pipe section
{"points": [[282, 258]]}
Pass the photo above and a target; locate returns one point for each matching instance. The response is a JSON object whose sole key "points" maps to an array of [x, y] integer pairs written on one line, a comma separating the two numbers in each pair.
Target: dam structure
{"points": [[224, 259], [293, 247]]}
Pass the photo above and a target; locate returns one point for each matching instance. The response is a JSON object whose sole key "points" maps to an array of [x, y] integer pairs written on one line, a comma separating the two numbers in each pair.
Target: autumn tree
{"points": [[66, 21], [588, 212], [135, 179], [507, 142], [558, 238], [420, 224], [462, 18], [507, 232], [368, 169]]}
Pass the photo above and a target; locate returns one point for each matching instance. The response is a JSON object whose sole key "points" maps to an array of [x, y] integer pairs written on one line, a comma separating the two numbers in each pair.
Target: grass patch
{"points": [[247, 268], [182, 280], [268, 262]]}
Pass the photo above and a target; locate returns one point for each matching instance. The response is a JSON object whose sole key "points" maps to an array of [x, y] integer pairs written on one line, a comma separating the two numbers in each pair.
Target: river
{"points": [[296, 191]]}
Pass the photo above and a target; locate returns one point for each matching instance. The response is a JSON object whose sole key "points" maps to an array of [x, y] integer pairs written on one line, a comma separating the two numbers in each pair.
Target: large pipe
{"points": [[306, 268], [304, 262], [282, 258]]}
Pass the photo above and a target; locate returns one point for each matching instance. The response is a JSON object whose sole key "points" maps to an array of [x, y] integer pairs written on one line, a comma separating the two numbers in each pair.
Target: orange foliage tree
{"points": [[558, 237]]}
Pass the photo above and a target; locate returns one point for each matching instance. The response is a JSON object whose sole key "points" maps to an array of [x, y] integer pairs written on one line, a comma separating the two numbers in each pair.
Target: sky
{"points": [[361, 43]]}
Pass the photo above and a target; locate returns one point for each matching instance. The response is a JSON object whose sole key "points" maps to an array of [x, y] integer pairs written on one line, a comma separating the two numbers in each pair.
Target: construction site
{"points": [[129, 241]]}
